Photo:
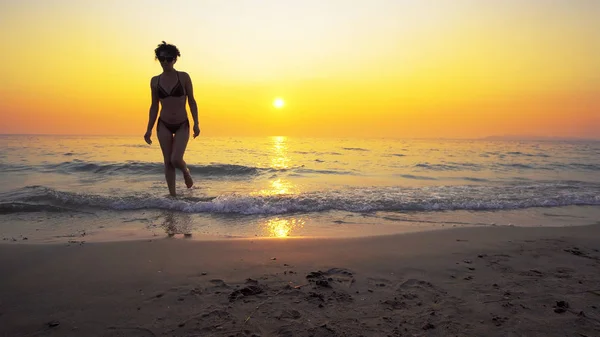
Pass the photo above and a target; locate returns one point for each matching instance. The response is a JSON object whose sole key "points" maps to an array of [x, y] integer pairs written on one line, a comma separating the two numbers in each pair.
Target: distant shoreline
{"points": [[538, 138]]}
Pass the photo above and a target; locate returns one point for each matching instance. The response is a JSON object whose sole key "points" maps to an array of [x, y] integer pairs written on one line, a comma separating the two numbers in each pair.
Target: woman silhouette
{"points": [[171, 88]]}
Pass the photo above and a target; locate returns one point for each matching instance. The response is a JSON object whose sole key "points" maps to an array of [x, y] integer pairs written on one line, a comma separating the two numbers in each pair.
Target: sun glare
{"points": [[278, 103], [282, 228]]}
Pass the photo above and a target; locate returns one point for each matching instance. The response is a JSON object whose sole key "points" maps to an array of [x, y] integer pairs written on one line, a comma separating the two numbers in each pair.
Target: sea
{"points": [[97, 188]]}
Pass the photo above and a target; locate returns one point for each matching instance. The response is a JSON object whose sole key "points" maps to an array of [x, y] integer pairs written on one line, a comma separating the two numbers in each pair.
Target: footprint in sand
{"points": [[218, 283], [379, 282], [288, 314], [419, 290], [332, 276], [396, 304], [414, 283], [245, 292], [339, 297]]}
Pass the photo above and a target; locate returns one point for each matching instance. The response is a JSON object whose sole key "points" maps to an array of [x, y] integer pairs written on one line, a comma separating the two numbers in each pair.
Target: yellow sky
{"points": [[445, 68]]}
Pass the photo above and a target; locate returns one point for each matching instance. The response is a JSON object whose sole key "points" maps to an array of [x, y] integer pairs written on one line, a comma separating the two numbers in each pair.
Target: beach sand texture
{"points": [[494, 281]]}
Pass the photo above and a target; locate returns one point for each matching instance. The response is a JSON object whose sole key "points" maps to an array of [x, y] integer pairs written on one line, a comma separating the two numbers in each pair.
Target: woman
{"points": [[171, 88]]}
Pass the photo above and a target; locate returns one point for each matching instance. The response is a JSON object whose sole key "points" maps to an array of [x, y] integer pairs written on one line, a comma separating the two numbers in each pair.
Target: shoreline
{"points": [[133, 236], [493, 281], [41, 228]]}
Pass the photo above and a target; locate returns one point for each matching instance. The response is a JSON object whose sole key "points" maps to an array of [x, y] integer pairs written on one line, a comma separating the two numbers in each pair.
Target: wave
{"points": [[18, 207], [233, 171], [551, 166], [579, 166], [520, 166], [452, 166], [355, 149], [313, 171], [136, 146], [316, 153], [412, 176], [133, 167], [141, 168], [433, 198], [474, 179], [525, 154], [13, 167]]}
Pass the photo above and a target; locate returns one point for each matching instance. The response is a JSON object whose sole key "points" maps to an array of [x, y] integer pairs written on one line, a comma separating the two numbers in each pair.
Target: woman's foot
{"points": [[187, 177]]}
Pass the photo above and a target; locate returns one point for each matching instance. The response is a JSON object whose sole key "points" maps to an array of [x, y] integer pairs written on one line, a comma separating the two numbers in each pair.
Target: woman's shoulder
{"points": [[183, 74], [154, 79]]}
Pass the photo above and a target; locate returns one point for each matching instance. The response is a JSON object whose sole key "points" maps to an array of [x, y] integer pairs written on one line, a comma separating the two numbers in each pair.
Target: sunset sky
{"points": [[396, 68]]}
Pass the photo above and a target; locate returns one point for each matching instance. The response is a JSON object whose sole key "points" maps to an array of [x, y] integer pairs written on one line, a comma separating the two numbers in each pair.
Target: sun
{"points": [[278, 103]]}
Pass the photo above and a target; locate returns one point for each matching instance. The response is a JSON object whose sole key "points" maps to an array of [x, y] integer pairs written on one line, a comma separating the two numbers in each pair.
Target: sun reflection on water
{"points": [[277, 187], [281, 228], [280, 159]]}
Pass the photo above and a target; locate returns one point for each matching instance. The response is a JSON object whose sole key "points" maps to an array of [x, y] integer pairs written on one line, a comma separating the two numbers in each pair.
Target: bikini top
{"points": [[177, 90]]}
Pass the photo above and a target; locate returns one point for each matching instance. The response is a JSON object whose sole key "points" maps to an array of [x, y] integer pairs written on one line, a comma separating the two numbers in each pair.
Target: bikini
{"points": [[177, 91]]}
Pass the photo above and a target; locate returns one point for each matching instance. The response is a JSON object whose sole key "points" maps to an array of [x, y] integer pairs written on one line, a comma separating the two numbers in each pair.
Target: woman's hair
{"points": [[169, 48]]}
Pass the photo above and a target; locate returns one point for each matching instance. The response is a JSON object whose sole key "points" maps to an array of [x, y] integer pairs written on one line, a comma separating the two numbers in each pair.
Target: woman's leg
{"points": [[165, 138], [180, 142]]}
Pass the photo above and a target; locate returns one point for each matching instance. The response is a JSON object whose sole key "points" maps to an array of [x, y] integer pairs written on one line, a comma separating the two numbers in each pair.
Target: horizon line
{"points": [[490, 137]]}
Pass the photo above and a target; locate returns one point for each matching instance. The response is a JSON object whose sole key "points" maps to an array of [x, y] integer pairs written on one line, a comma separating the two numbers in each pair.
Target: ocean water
{"points": [[55, 188]]}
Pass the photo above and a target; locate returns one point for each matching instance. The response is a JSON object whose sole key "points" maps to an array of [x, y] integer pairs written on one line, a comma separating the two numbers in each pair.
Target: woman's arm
{"points": [[153, 113], [189, 89]]}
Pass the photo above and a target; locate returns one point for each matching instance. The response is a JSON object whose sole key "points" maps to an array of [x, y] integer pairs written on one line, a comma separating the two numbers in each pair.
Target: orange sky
{"points": [[458, 69]]}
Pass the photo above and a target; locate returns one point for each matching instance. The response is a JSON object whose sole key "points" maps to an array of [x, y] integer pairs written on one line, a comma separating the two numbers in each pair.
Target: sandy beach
{"points": [[495, 281]]}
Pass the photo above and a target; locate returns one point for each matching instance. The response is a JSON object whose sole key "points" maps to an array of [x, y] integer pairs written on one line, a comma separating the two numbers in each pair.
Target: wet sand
{"points": [[493, 281]]}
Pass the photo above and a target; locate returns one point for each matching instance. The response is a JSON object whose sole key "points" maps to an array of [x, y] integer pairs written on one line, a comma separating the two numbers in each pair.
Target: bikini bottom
{"points": [[173, 128]]}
